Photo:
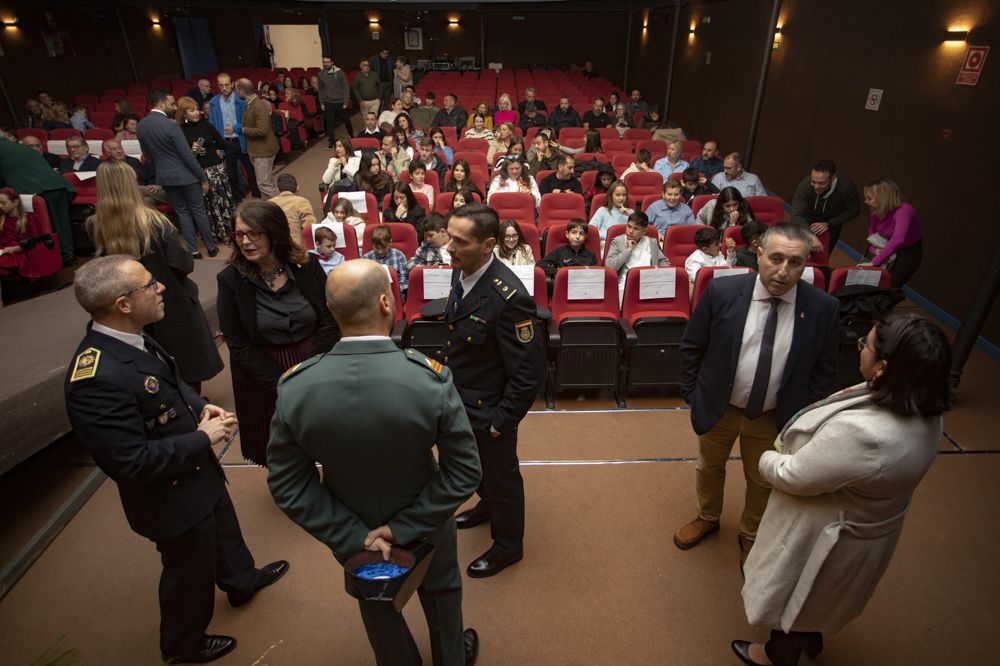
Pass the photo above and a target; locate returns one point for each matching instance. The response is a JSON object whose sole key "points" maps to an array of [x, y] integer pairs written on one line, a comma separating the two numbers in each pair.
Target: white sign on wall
{"points": [[874, 99]]}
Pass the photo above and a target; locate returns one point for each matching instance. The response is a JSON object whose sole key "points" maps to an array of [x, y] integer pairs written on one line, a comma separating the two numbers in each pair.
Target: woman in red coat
{"points": [[13, 229]]}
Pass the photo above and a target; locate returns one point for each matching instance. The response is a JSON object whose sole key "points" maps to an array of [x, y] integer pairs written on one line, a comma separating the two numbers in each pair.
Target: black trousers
{"points": [[234, 157], [785, 649], [441, 598], [501, 491], [906, 264], [210, 553], [332, 114]]}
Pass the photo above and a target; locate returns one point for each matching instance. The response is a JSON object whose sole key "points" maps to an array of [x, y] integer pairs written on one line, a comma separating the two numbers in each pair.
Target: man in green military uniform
{"points": [[371, 414]]}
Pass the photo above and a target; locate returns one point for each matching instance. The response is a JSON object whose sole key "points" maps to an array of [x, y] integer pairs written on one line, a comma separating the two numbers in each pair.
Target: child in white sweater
{"points": [[709, 252]]}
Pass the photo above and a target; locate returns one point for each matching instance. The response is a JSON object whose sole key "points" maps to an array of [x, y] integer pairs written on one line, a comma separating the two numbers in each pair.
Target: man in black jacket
{"points": [[498, 366], [152, 434], [825, 201]]}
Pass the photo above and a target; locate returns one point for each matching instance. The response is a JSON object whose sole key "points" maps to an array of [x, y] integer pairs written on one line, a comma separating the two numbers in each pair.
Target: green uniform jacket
{"points": [[370, 414], [27, 172]]}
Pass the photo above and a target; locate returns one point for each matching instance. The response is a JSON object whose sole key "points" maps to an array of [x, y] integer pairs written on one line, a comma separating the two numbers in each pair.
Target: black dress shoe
{"points": [[211, 648], [213, 252], [471, 647], [471, 518], [492, 562], [196, 255], [269, 575], [742, 650]]}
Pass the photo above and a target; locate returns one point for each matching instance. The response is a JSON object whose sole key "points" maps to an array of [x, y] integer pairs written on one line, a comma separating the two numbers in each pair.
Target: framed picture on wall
{"points": [[414, 39], [58, 43]]}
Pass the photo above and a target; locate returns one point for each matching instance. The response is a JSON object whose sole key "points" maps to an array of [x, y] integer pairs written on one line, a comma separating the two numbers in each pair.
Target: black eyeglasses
{"points": [[152, 283], [254, 236]]}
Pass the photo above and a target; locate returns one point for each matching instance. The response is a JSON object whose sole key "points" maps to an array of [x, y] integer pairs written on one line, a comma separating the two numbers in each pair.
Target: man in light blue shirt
{"points": [[670, 210], [733, 175], [225, 112]]}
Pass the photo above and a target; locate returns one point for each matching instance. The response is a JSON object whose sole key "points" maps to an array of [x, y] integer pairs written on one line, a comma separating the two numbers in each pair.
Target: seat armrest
{"points": [[434, 309], [555, 340], [398, 331], [630, 337], [543, 313]]}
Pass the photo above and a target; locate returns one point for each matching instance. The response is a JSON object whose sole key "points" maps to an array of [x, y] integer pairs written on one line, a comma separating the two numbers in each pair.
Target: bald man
{"points": [[370, 414], [35, 144]]}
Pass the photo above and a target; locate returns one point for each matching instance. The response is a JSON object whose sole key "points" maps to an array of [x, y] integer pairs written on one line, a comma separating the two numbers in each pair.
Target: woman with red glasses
{"points": [[273, 314]]}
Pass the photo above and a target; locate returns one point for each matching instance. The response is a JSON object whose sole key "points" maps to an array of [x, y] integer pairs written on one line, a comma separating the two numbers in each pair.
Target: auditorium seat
{"points": [[709, 273], [531, 236], [478, 177], [842, 277], [63, 133], [689, 146], [310, 104], [678, 243], [642, 183], [607, 134], [40, 261], [571, 133], [600, 157], [104, 107], [814, 276], [698, 202], [635, 135], [350, 237], [475, 159], [583, 335], [734, 233], [427, 336], [450, 135], [419, 196], [41, 134], [616, 145], [430, 177], [616, 230], [518, 206], [102, 119], [587, 179], [473, 145], [556, 238], [371, 215], [99, 134], [560, 208], [542, 175], [442, 202], [86, 190], [86, 100], [769, 210], [652, 145], [574, 142], [365, 143], [529, 136], [652, 327], [404, 238]]}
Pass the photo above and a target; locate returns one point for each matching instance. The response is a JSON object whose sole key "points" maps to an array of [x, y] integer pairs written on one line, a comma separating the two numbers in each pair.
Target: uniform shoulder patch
{"points": [[504, 289], [525, 331], [421, 359], [299, 367], [86, 363]]}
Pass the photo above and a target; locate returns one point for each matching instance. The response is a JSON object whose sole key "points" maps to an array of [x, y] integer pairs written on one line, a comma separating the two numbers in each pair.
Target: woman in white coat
{"points": [[843, 475]]}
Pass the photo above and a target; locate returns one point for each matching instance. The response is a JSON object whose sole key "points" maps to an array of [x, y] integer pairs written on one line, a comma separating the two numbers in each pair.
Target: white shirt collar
{"points": [[359, 338], [469, 282], [133, 339], [760, 292], [159, 111]]}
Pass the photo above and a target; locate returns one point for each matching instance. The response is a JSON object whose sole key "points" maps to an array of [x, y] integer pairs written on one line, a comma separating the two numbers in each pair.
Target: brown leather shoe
{"points": [[691, 534], [745, 546]]}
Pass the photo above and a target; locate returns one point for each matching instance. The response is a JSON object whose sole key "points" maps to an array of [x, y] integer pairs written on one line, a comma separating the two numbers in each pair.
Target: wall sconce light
{"points": [[453, 22], [10, 23], [373, 21], [155, 22], [956, 35], [777, 37]]}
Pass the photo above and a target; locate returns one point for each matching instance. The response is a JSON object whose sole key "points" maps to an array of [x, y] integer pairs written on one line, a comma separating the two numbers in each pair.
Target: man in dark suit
{"points": [[380, 482], [79, 158], [200, 93], [177, 171], [496, 357], [152, 434], [758, 348]]}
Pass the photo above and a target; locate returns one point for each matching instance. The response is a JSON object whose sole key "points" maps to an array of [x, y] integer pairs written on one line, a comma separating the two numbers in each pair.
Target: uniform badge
{"points": [[435, 366], [86, 364], [525, 331], [152, 385], [163, 418]]}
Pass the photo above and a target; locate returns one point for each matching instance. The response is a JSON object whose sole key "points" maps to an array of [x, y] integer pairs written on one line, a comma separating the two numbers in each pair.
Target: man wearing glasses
{"points": [[153, 434]]}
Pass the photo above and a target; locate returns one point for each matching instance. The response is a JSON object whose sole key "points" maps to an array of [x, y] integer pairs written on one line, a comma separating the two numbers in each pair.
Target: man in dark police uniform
{"points": [[496, 357], [152, 434]]}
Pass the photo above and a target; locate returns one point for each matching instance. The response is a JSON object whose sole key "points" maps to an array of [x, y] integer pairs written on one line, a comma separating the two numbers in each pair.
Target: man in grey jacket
{"points": [[825, 201], [334, 94], [177, 170]]}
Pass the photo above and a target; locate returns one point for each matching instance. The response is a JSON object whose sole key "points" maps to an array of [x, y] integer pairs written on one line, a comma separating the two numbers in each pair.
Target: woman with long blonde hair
{"points": [[894, 235], [123, 224]]}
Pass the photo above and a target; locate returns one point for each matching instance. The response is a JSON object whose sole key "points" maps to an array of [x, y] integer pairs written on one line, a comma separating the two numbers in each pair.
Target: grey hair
{"points": [[98, 283], [790, 230], [77, 139], [736, 157]]}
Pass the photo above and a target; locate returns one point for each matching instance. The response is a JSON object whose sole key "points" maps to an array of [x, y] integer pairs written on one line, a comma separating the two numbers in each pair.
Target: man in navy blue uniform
{"points": [[153, 434], [498, 366]]}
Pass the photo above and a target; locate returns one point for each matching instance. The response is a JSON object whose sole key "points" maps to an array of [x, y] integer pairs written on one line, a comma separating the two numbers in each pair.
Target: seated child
{"points": [[709, 252], [751, 233], [575, 253], [326, 241], [695, 185], [670, 210], [434, 250], [384, 253], [641, 164], [343, 211], [418, 181], [633, 249]]}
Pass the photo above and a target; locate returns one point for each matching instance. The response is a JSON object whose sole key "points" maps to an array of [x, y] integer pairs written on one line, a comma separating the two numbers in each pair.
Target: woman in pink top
{"points": [[505, 112], [893, 233]]}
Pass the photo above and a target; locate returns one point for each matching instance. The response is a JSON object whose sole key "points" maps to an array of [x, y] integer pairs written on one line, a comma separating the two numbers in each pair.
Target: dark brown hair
{"points": [[916, 380], [270, 220]]}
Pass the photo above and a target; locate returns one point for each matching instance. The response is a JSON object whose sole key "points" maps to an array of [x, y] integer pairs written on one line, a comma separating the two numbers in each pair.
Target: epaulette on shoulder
{"points": [[504, 289], [85, 366], [426, 362], [299, 367]]}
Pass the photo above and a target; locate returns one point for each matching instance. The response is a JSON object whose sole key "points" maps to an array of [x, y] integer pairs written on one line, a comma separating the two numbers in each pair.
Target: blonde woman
{"points": [[894, 238], [505, 112], [123, 224], [13, 229], [503, 136], [208, 147]]}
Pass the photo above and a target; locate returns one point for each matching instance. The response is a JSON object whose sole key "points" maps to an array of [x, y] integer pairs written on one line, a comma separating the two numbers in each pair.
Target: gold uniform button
{"points": [[479, 403], [174, 482], [445, 359], [449, 343], [198, 468], [469, 339], [451, 327]]}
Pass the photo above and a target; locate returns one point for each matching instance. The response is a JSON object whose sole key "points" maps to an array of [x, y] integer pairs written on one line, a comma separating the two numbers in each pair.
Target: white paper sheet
{"points": [[862, 276], [809, 275], [729, 272], [437, 283], [357, 199], [85, 175], [96, 147], [337, 227], [131, 147], [58, 147], [657, 283], [584, 284], [28, 202], [527, 276], [388, 271]]}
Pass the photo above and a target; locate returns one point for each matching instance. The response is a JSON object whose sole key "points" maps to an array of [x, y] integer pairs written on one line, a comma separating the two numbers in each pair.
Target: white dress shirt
{"points": [[469, 282], [133, 339], [753, 331]]}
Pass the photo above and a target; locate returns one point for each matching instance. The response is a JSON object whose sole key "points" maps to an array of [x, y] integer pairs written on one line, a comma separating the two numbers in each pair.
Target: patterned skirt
{"points": [[219, 203], [255, 403]]}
